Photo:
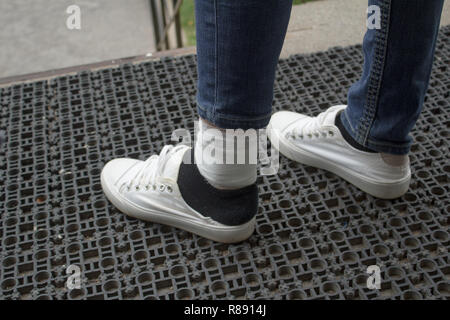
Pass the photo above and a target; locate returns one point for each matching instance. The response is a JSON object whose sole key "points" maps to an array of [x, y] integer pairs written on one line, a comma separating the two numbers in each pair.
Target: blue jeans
{"points": [[239, 43]]}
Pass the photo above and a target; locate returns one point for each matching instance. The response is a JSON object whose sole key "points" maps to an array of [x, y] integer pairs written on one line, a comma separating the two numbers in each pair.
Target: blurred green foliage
{"points": [[188, 22], [301, 1]]}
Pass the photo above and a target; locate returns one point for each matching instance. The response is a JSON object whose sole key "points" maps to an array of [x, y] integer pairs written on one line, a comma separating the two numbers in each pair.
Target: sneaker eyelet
{"points": [[137, 188], [162, 187], [169, 189], [331, 133]]}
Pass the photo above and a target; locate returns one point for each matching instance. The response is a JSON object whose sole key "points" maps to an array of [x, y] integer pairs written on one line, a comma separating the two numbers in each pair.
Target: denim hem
{"points": [[376, 74], [233, 122], [375, 145]]}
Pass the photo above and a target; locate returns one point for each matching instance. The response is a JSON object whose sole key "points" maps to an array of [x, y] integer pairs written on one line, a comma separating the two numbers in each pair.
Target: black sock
{"points": [[348, 137], [229, 207]]}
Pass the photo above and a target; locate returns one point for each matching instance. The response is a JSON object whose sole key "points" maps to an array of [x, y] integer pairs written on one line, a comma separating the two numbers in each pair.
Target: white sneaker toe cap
{"points": [[116, 169], [283, 119]]}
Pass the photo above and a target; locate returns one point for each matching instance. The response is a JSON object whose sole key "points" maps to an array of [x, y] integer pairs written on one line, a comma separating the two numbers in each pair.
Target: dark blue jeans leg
{"points": [[238, 46], [384, 104]]}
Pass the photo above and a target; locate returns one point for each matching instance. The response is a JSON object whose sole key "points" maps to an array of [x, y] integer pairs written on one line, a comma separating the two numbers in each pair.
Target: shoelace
{"points": [[152, 169], [313, 126]]}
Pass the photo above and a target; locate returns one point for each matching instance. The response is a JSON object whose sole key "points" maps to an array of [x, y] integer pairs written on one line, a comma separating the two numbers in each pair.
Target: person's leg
{"points": [[238, 45], [384, 104], [367, 141]]}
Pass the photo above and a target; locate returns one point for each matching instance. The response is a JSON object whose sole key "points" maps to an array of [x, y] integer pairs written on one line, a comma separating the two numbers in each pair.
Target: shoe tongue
{"points": [[323, 119], [172, 165], [330, 117]]}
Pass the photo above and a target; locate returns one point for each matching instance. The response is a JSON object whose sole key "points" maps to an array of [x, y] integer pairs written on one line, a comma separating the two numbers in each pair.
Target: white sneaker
{"points": [[148, 190], [317, 142]]}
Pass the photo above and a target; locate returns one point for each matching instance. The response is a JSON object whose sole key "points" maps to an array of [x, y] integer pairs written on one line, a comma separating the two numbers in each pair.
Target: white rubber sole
{"points": [[378, 189], [216, 232]]}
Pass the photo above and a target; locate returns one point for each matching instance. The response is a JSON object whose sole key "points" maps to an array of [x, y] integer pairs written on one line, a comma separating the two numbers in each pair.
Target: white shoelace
{"points": [[313, 126], [152, 168]]}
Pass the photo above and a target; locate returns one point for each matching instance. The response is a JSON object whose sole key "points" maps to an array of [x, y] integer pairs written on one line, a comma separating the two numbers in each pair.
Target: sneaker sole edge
{"points": [[391, 190], [219, 233]]}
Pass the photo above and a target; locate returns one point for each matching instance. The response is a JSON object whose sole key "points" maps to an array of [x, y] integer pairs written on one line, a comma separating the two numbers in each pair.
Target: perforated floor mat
{"points": [[315, 236]]}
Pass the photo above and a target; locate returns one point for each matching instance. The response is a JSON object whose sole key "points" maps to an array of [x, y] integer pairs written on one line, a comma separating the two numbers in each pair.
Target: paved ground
{"points": [[34, 36], [319, 25]]}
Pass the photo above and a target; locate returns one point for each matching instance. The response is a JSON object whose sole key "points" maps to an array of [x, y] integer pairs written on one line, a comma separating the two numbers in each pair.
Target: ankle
{"points": [[219, 158], [347, 137], [395, 160]]}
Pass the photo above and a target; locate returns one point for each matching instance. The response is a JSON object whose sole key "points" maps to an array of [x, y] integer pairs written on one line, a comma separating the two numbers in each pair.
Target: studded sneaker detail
{"points": [[316, 141], [149, 190]]}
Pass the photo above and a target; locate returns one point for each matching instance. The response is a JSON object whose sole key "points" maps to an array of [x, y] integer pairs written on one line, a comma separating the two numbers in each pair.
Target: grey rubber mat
{"points": [[316, 234]]}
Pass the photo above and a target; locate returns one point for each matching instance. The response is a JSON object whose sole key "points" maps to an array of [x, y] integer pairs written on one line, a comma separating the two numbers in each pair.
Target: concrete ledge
{"points": [[7, 81]]}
